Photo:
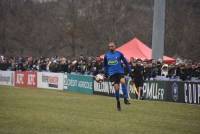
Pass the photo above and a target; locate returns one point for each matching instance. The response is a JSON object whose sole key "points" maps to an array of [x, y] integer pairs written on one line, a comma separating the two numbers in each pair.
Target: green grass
{"points": [[41, 111]]}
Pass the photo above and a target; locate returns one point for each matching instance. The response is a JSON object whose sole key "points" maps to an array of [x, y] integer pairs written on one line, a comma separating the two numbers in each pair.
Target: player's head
{"points": [[112, 46]]}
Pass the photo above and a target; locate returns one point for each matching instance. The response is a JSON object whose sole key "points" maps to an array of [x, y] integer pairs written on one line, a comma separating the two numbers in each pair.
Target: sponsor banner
{"points": [[151, 90], [191, 92], [175, 91], [163, 90], [50, 80], [78, 83], [20, 79], [7, 78], [105, 88], [155, 90], [31, 79], [25, 79]]}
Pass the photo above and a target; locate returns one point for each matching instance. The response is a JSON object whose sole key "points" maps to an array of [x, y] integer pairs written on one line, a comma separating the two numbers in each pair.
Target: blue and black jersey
{"points": [[113, 63]]}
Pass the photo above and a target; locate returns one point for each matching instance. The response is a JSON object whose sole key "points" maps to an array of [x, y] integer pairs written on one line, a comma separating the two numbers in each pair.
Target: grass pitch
{"points": [[41, 111]]}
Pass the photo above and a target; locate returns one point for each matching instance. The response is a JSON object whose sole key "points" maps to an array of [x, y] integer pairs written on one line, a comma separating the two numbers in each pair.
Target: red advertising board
{"points": [[31, 79], [26, 79]]}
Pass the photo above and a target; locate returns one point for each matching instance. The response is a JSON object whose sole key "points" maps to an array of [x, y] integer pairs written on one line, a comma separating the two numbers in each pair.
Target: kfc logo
{"points": [[20, 79], [31, 80]]}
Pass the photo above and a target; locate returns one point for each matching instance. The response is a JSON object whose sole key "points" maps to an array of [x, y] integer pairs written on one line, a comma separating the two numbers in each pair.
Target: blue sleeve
{"points": [[125, 62], [105, 63]]}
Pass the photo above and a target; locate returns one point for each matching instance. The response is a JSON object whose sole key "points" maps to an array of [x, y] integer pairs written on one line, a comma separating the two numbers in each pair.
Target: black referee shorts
{"points": [[139, 83], [115, 78]]}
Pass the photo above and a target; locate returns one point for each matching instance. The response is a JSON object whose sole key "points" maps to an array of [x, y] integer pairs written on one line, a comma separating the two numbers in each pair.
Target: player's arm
{"points": [[126, 63], [105, 64]]}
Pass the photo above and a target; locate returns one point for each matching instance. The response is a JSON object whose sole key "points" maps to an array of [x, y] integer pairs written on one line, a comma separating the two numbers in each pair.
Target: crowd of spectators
{"points": [[186, 70], [83, 65], [94, 65]]}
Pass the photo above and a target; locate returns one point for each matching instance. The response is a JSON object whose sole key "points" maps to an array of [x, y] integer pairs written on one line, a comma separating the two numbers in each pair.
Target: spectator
{"points": [[164, 70]]}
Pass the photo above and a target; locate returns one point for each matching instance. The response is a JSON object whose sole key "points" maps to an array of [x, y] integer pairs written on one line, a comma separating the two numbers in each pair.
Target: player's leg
{"points": [[114, 79], [117, 95], [137, 85], [141, 92], [135, 90], [138, 90], [124, 90], [116, 87], [141, 89]]}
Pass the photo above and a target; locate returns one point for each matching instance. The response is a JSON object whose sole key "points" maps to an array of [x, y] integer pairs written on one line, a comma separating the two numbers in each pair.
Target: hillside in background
{"points": [[74, 27]]}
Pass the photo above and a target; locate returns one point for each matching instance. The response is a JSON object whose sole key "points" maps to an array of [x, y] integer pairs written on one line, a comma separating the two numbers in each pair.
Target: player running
{"points": [[113, 66]]}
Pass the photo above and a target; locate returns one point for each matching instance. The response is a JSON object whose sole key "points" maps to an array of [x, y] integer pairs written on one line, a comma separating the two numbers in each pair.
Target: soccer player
{"points": [[113, 66], [138, 76]]}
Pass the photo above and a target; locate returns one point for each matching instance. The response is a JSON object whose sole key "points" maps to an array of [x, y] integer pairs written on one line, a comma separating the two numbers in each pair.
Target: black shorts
{"points": [[115, 78], [138, 82]]}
